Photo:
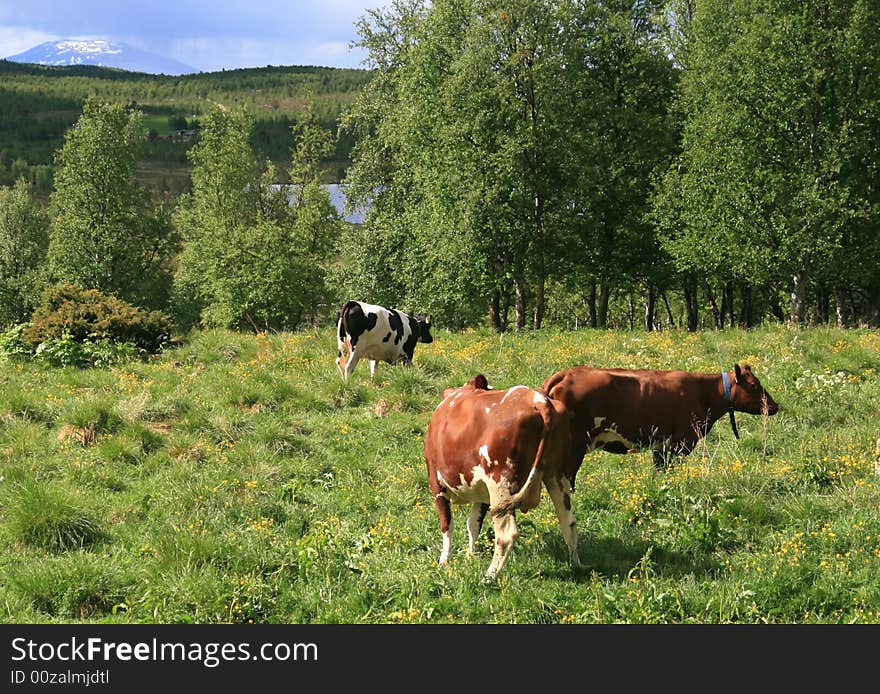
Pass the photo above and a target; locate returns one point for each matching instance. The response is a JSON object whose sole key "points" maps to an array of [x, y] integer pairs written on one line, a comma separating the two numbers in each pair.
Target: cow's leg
{"points": [[373, 365], [575, 459], [444, 511], [350, 364], [559, 489], [343, 354], [505, 535], [474, 523]]}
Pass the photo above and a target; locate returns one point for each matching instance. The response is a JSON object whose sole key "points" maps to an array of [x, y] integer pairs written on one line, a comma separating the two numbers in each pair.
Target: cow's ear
{"points": [[428, 319], [737, 371], [480, 382]]}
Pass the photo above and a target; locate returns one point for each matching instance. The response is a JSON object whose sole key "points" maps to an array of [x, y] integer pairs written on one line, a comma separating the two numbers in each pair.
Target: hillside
{"points": [[41, 102]]}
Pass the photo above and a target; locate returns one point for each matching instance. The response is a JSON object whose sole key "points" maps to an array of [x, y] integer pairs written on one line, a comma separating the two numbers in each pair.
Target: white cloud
{"points": [[210, 54], [15, 40], [338, 53]]}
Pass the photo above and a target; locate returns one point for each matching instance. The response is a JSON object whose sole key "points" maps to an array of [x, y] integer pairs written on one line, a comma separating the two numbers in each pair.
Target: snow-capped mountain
{"points": [[103, 53]]}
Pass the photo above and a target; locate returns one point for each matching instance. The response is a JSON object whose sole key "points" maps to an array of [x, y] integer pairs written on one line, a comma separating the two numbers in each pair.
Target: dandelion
{"points": [[263, 524]]}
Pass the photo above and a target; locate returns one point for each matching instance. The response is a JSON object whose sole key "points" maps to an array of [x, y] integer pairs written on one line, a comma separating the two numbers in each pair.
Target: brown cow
{"points": [[492, 449], [625, 410]]}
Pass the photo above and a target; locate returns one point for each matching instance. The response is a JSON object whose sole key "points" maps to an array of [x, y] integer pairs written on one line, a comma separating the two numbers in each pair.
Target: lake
{"points": [[337, 197]]}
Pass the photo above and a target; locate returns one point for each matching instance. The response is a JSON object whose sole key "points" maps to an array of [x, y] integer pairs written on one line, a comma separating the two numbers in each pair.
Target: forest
{"points": [[696, 164], [41, 102], [654, 163]]}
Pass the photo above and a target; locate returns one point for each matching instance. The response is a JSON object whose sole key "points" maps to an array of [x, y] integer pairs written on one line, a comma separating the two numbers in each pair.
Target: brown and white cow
{"points": [[378, 334], [492, 449], [625, 410]]}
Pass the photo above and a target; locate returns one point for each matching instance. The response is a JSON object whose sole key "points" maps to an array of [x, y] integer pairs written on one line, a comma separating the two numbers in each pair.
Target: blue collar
{"points": [[726, 380]]}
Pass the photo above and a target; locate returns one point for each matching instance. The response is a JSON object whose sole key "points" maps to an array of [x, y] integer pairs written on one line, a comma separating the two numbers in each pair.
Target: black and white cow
{"points": [[379, 334]]}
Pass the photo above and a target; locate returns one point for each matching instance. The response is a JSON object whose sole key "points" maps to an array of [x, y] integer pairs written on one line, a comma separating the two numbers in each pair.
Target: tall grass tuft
{"points": [[43, 517], [72, 587]]}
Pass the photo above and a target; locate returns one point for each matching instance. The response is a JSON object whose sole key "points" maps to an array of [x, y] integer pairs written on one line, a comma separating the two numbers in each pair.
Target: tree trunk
{"points": [[840, 305], [668, 311], [727, 303], [591, 303], [520, 303], [539, 304], [505, 309], [871, 310], [723, 310], [746, 313], [691, 305], [632, 312], [823, 306], [716, 312], [799, 280], [650, 308], [604, 295], [538, 216], [495, 312], [775, 305]]}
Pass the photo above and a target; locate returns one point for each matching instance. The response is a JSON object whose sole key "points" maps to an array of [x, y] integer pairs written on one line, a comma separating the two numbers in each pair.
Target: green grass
{"points": [[237, 479], [160, 124]]}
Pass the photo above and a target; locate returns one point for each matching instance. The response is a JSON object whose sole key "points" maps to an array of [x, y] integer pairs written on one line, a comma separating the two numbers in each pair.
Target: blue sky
{"points": [[224, 34]]}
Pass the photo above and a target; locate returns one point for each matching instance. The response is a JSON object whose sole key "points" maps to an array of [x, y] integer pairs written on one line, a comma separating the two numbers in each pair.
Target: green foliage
{"points": [[771, 187], [313, 144], [42, 102], [70, 315], [105, 233], [66, 351], [468, 133], [251, 259], [23, 242], [13, 346], [623, 132], [527, 135]]}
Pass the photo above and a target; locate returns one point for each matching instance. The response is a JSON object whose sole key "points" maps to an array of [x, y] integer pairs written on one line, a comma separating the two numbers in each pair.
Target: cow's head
{"points": [[424, 328], [478, 382], [748, 394]]}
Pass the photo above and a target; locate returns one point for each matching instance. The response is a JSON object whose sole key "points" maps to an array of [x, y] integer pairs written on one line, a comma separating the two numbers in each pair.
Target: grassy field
{"points": [[160, 124], [237, 479]]}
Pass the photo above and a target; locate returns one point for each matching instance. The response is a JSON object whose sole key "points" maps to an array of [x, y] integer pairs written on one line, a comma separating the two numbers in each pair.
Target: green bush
{"points": [[67, 311], [13, 346], [66, 351]]}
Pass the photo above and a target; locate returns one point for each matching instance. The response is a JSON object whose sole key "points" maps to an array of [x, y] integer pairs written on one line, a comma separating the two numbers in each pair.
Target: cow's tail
{"points": [[342, 327], [533, 483]]}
